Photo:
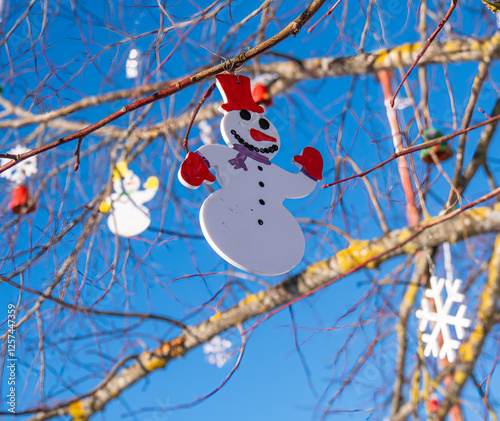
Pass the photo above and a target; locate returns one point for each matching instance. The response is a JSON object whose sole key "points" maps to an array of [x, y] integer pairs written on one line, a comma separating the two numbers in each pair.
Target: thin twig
{"points": [[323, 17], [373, 197], [195, 112], [292, 28], [16, 158], [469, 109], [484, 112], [412, 211], [415, 232], [77, 154], [424, 145], [428, 43]]}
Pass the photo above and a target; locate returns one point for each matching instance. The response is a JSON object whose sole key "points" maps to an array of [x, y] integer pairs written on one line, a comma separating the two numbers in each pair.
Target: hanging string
{"points": [[447, 261]]}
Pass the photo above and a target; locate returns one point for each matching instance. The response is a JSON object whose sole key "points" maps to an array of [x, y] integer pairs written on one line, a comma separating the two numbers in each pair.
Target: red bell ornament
{"points": [[261, 95], [17, 175], [433, 404], [19, 202]]}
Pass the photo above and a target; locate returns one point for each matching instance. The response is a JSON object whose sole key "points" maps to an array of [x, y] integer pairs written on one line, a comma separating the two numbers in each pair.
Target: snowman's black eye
{"points": [[245, 115], [264, 124]]}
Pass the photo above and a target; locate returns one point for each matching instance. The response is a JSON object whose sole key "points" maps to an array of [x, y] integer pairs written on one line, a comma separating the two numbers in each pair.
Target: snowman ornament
{"points": [[128, 215], [245, 221]]}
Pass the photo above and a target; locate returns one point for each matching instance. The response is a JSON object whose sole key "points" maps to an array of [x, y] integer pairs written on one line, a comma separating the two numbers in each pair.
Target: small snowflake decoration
{"points": [[442, 318], [206, 132], [215, 351], [18, 173]]}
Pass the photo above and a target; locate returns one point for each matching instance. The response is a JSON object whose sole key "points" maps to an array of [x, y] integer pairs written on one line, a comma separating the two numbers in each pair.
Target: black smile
{"points": [[271, 149]]}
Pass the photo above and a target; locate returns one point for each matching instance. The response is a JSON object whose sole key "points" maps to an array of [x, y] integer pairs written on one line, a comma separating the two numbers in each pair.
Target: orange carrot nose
{"points": [[261, 137]]}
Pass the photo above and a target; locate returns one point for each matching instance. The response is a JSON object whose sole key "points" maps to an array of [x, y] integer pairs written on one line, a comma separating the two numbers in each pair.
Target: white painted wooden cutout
{"points": [[206, 132], [20, 172], [128, 215], [264, 79], [245, 221], [216, 351], [399, 103], [441, 318], [132, 64]]}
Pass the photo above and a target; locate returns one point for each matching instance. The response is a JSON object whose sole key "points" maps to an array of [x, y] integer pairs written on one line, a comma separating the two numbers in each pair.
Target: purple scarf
{"points": [[243, 153]]}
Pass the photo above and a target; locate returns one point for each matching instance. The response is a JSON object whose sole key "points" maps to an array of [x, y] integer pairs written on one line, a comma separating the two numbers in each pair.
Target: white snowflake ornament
{"points": [[441, 318], [20, 172], [215, 351]]}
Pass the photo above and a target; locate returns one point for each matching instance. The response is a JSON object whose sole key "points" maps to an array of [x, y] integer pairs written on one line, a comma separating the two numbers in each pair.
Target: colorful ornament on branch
{"points": [[245, 221], [261, 95], [438, 313], [132, 64], [20, 201], [442, 150], [433, 403], [127, 214], [260, 89]]}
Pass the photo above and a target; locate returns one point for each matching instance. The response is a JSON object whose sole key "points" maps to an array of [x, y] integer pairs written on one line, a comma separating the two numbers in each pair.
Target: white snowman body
{"points": [[245, 221], [128, 216]]}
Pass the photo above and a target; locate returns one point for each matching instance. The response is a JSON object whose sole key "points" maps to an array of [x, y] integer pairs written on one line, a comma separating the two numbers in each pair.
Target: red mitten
{"points": [[311, 162], [194, 171]]}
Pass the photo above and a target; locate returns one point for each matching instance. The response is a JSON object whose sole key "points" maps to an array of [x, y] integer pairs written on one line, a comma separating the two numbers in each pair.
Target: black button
{"points": [[261, 184], [260, 221], [262, 202], [259, 167]]}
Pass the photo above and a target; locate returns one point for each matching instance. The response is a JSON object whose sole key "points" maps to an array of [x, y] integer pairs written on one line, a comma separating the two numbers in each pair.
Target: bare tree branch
{"points": [[358, 255]]}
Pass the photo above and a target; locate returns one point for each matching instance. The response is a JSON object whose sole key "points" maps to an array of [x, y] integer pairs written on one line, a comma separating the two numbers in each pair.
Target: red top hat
{"points": [[237, 94]]}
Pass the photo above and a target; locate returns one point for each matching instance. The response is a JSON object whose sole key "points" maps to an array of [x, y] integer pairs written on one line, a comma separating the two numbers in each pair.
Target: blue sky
{"points": [[272, 382]]}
